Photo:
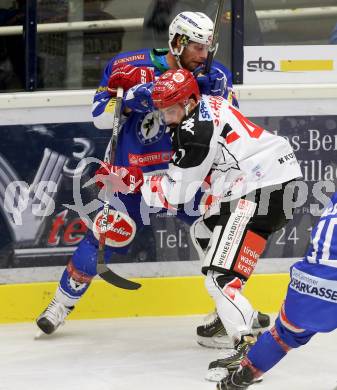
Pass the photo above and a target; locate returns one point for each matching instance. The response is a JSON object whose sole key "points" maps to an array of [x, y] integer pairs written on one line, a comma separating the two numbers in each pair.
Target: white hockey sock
{"points": [[235, 311], [62, 297]]}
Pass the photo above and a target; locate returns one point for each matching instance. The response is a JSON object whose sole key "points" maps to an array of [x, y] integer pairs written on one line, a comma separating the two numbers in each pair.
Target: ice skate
{"points": [[213, 334], [52, 317], [239, 379], [219, 369]]}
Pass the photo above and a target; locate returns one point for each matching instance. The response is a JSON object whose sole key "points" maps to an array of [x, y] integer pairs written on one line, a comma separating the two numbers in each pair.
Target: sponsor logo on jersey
{"points": [[135, 57], [314, 286], [188, 125], [215, 104], [121, 228], [287, 157], [144, 160], [238, 181], [228, 193], [257, 170], [203, 112], [150, 129]]}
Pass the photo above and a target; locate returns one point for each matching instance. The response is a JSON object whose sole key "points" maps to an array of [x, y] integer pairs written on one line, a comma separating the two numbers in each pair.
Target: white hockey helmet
{"points": [[194, 26]]}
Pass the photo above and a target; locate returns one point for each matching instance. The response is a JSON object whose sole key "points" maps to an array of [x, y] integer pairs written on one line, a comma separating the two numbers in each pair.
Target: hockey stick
{"points": [[102, 269], [216, 29]]}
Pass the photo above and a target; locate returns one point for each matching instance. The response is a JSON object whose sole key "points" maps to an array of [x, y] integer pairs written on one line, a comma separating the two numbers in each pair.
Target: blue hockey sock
{"points": [[268, 351]]}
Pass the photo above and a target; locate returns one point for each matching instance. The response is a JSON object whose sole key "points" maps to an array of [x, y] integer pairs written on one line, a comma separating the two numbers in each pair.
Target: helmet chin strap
{"points": [[178, 61], [177, 53]]}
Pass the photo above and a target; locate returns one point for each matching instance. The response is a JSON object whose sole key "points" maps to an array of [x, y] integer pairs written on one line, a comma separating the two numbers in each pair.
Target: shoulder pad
{"points": [[221, 66], [194, 137], [194, 130], [226, 71]]}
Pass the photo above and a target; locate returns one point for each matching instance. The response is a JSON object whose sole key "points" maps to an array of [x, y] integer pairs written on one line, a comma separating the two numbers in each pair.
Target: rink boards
{"points": [[44, 134], [166, 296]]}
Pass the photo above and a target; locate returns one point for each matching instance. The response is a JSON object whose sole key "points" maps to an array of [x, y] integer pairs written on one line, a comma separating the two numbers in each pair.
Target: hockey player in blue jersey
{"points": [[142, 142], [310, 306]]}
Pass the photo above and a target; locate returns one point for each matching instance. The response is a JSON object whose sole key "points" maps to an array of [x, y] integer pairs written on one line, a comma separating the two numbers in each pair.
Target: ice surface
{"points": [[141, 354]]}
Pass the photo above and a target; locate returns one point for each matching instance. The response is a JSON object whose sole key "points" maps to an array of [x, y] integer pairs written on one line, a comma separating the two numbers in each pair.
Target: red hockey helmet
{"points": [[174, 86]]}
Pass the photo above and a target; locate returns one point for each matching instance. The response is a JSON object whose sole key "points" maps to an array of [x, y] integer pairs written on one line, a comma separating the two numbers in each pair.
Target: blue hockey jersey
{"points": [[143, 140], [312, 294], [323, 247]]}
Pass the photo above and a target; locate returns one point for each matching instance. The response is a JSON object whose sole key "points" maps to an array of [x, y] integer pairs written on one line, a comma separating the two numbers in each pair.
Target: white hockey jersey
{"points": [[216, 144]]}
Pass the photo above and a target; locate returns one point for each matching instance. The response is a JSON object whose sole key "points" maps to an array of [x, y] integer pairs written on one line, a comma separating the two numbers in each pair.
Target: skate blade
{"points": [[39, 334], [258, 380], [216, 374]]}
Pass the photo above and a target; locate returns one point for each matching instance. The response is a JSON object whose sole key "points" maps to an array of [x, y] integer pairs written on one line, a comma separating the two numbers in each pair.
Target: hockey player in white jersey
{"points": [[142, 142], [246, 172], [310, 305]]}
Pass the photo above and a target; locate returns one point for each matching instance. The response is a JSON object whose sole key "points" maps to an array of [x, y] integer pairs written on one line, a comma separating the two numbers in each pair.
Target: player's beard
{"points": [[187, 65]]}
